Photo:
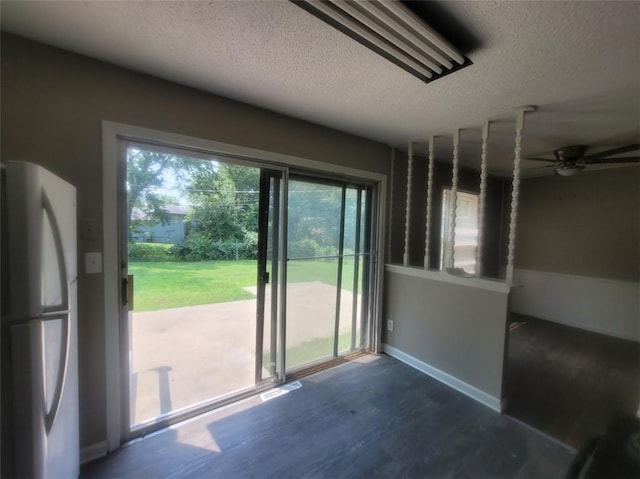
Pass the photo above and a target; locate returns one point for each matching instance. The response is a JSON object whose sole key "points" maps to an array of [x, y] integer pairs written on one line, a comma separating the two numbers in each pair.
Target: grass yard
{"points": [[164, 285], [313, 350], [299, 271]]}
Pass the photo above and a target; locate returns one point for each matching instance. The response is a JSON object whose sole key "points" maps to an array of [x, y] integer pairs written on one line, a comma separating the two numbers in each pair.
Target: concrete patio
{"points": [[182, 356]]}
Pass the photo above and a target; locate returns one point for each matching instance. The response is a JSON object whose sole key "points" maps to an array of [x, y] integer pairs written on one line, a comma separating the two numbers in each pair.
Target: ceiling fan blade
{"points": [[613, 151], [629, 159], [539, 167], [541, 159]]}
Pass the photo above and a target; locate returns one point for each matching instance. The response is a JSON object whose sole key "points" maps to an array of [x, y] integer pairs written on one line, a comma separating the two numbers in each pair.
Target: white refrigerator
{"points": [[39, 324]]}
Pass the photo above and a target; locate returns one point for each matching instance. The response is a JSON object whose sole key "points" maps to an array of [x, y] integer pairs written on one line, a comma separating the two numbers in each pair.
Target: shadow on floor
{"points": [[371, 417]]}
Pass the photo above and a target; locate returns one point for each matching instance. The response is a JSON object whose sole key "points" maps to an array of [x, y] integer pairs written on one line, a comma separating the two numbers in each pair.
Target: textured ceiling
{"points": [[578, 62]]}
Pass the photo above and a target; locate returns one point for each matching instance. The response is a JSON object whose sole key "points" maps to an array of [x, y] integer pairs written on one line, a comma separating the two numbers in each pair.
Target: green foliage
{"points": [[314, 219], [308, 248], [314, 213], [304, 248], [150, 252], [144, 177], [224, 201], [199, 247], [223, 222], [146, 172]]}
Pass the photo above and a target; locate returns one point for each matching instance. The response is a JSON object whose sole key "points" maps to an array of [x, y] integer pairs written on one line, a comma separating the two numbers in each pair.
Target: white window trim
{"points": [[112, 133]]}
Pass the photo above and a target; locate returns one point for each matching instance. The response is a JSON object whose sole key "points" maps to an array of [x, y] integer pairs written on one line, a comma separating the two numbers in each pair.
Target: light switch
{"points": [[93, 263]]}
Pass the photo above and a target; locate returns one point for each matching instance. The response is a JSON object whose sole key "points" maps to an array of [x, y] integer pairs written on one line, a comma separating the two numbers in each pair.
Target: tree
{"points": [[145, 170], [146, 192], [314, 213], [224, 201]]}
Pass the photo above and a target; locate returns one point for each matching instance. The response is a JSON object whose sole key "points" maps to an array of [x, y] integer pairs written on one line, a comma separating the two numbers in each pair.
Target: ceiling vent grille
{"points": [[394, 32]]}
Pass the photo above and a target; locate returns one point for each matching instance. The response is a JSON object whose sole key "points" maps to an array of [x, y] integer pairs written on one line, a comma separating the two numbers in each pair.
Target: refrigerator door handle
{"points": [[57, 238], [50, 415], [60, 312]]}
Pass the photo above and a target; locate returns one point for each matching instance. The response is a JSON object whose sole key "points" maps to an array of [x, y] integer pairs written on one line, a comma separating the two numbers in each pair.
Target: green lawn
{"points": [[164, 285], [313, 350], [325, 271]]}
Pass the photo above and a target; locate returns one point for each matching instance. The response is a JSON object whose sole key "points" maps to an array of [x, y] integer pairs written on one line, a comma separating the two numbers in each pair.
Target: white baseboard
{"points": [[601, 305], [445, 378], [92, 452]]}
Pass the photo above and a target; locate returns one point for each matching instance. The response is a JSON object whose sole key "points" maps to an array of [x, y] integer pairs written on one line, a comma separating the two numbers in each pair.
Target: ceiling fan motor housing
{"points": [[570, 153], [569, 169]]}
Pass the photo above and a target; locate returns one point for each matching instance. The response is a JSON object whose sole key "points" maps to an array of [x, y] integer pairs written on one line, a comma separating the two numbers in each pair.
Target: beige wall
{"points": [[53, 103], [587, 225], [459, 330]]}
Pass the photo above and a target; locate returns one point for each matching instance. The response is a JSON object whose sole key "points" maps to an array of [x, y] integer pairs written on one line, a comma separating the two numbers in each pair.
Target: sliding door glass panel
{"points": [[191, 236], [314, 214], [327, 270], [311, 309]]}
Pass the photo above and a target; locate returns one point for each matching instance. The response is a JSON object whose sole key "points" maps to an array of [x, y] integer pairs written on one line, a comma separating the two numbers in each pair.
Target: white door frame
{"points": [[112, 133]]}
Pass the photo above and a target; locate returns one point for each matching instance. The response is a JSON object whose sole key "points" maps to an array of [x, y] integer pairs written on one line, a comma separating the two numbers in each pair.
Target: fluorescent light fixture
{"points": [[365, 34], [572, 170], [393, 31], [391, 35], [413, 21]]}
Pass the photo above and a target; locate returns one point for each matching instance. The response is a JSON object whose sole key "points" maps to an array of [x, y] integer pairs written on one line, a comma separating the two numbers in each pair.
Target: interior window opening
{"points": [[465, 239]]}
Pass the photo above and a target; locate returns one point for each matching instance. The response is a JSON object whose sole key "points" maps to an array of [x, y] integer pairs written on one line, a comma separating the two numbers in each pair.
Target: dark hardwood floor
{"points": [[371, 417], [568, 382]]}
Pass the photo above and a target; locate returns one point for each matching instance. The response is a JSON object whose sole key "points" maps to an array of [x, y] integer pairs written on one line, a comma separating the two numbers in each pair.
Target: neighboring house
{"points": [[172, 231]]}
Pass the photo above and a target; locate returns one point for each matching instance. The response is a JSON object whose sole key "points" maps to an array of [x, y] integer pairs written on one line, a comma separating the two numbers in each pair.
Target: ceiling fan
{"points": [[571, 160]]}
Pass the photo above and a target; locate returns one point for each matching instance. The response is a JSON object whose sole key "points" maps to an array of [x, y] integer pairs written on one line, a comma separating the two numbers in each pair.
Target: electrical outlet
{"points": [[389, 324]]}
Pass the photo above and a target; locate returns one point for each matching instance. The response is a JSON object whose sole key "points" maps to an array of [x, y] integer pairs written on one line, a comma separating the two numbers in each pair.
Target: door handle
{"points": [[124, 290], [127, 292], [127, 289]]}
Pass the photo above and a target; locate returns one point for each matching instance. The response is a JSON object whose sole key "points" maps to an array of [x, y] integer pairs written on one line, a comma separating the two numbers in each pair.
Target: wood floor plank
{"points": [[372, 417], [568, 382]]}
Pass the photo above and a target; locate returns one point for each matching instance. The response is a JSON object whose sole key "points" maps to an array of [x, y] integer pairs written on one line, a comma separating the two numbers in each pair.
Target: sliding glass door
{"points": [[328, 262], [201, 238], [233, 273]]}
